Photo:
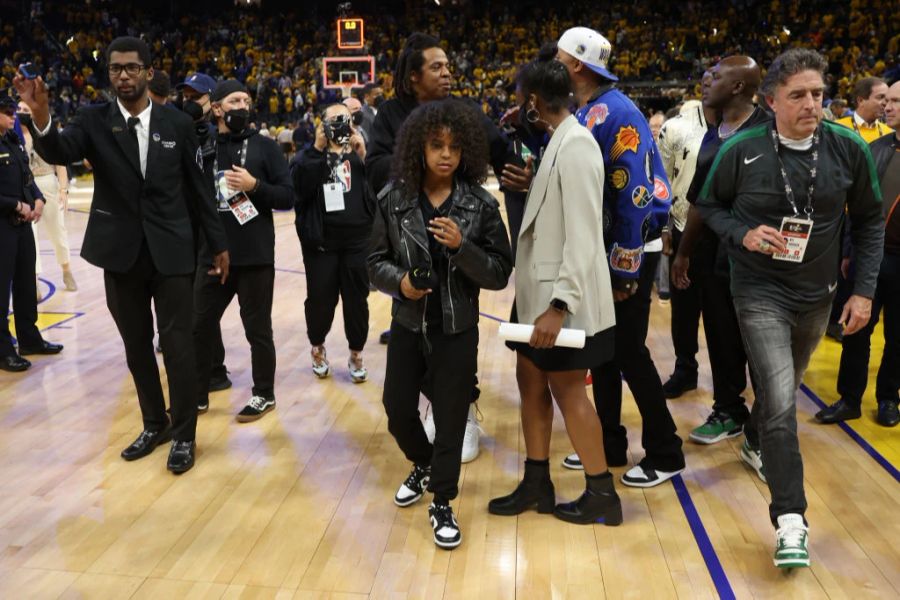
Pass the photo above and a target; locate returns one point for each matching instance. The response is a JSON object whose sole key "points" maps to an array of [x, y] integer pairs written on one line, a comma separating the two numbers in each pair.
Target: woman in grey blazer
{"points": [[561, 281]]}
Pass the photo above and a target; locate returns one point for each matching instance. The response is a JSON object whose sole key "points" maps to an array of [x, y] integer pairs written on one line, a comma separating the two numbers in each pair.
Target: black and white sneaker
{"points": [[645, 477], [446, 529], [573, 461], [202, 405], [414, 487], [255, 409]]}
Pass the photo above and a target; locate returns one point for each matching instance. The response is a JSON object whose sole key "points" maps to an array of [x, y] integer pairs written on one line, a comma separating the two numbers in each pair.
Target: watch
{"points": [[559, 305]]}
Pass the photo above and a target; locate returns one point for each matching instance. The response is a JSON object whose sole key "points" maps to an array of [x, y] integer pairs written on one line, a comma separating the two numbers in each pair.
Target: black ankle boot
{"points": [[535, 490], [598, 504]]}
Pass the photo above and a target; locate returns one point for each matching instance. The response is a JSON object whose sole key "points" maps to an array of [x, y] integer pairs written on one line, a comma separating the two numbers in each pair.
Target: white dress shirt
{"points": [[142, 130]]}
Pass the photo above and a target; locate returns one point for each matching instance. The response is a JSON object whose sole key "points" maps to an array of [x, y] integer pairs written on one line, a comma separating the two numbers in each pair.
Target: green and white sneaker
{"points": [[791, 538], [753, 457], [719, 426]]}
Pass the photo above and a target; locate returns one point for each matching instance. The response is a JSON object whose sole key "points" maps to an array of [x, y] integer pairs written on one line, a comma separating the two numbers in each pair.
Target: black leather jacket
{"points": [[399, 243], [882, 151]]}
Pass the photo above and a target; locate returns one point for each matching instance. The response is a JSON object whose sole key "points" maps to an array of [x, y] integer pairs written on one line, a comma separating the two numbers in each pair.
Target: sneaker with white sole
{"points": [[573, 461], [428, 423], [719, 426], [358, 372], [645, 477], [791, 540], [255, 409], [753, 457], [320, 364], [446, 529], [414, 487], [472, 439]]}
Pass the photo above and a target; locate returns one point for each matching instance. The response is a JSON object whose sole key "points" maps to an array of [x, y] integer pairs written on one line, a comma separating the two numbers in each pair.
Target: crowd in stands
{"points": [[278, 56]]}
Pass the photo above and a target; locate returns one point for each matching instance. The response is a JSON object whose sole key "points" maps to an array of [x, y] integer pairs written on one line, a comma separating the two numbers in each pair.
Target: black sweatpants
{"points": [[332, 273], [17, 271], [633, 363], [254, 287], [450, 365]]}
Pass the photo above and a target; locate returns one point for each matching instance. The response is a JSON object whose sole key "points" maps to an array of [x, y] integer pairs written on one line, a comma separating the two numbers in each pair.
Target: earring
{"points": [[532, 115]]}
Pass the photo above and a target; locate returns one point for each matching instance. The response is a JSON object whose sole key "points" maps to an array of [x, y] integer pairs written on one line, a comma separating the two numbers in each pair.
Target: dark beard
{"points": [[139, 90]]}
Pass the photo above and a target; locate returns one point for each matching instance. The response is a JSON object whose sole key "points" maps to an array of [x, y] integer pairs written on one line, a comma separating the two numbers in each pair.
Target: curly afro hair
{"points": [[464, 123]]}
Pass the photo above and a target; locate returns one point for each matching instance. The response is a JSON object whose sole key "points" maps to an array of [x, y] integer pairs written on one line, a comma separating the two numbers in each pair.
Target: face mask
{"points": [[24, 119], [192, 109], [357, 118], [378, 101], [237, 120]]}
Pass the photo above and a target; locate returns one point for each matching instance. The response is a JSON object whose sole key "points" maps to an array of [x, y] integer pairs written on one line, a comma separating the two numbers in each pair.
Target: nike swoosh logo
{"points": [[832, 287], [747, 161]]}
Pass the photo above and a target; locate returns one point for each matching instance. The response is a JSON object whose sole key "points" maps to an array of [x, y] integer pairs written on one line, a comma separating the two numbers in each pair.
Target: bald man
{"points": [[727, 94], [854, 372]]}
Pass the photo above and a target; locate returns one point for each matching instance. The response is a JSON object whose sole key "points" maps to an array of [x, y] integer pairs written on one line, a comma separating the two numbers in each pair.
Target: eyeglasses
{"points": [[132, 69], [9, 111]]}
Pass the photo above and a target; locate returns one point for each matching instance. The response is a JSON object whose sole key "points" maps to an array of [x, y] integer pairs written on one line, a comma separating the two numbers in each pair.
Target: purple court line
{"points": [[860, 440]]}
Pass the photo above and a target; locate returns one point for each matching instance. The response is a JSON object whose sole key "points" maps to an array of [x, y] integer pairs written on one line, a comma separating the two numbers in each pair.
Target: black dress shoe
{"points": [[837, 412], [385, 337], [14, 363], [45, 348], [181, 456], [146, 442], [217, 383], [534, 491], [678, 384], [888, 413]]}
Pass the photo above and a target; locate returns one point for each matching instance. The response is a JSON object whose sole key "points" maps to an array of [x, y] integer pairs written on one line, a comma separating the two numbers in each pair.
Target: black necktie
{"points": [[132, 123]]}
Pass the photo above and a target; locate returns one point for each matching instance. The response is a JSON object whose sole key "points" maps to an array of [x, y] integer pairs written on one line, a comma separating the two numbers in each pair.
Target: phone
{"points": [[29, 71]]}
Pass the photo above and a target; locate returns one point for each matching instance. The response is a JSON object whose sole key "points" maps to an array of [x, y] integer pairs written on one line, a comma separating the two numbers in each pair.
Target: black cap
{"points": [[7, 100], [225, 88]]}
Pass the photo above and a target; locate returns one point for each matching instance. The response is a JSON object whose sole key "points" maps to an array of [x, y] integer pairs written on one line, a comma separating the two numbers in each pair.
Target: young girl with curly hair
{"points": [[437, 240]]}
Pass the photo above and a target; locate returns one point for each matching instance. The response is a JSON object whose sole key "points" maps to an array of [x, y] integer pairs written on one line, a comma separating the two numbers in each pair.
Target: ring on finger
{"points": [[763, 246]]}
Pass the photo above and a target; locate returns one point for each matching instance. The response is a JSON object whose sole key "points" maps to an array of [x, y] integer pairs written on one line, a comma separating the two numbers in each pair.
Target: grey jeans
{"points": [[779, 343]]}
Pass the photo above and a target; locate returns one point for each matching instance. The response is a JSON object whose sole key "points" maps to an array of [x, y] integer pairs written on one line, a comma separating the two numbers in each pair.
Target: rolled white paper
{"points": [[519, 332]]}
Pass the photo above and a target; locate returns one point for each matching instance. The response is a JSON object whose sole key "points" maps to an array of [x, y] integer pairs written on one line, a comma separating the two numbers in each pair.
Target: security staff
{"points": [[18, 197], [251, 179]]}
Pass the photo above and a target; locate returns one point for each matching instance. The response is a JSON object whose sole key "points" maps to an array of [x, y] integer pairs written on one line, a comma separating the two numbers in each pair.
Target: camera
{"points": [[337, 129], [422, 278], [29, 71]]}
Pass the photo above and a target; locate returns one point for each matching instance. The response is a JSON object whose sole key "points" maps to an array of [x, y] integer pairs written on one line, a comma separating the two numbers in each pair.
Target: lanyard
{"points": [[788, 190], [243, 156]]}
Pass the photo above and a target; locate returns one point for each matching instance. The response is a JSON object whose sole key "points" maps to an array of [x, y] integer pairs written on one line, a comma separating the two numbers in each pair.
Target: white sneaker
{"points": [[638, 476], [472, 439], [573, 461], [791, 540], [428, 423], [358, 372], [320, 364]]}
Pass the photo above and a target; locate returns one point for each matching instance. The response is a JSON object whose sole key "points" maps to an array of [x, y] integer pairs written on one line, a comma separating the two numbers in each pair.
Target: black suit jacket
{"points": [[127, 207]]}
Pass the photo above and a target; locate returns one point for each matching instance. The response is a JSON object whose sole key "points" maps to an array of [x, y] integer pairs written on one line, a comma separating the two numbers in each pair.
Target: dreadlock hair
{"points": [[411, 60]]}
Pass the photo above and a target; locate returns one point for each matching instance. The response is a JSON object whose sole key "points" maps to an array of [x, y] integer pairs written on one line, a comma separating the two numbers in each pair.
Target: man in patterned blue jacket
{"points": [[636, 203]]}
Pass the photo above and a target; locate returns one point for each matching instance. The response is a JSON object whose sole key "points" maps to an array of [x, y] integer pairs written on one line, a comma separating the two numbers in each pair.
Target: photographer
{"points": [[438, 238], [251, 180], [334, 221]]}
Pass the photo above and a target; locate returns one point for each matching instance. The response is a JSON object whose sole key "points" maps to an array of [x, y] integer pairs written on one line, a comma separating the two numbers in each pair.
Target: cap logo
{"points": [[579, 49]]}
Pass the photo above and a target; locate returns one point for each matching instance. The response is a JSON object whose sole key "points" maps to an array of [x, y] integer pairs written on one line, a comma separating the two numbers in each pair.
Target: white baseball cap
{"points": [[589, 47]]}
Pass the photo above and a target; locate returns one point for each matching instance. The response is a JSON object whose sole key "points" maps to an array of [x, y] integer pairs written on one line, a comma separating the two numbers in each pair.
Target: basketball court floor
{"points": [[299, 504]]}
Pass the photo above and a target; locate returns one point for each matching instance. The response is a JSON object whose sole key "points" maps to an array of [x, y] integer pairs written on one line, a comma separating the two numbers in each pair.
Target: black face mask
{"points": [[237, 120], [357, 118], [193, 110], [24, 119], [378, 101]]}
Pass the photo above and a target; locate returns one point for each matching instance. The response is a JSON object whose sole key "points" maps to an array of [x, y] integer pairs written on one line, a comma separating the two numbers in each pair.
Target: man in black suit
{"points": [[150, 191]]}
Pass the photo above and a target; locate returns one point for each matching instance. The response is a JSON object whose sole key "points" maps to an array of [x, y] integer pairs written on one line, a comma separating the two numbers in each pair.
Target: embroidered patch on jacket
{"points": [[626, 260], [627, 140]]}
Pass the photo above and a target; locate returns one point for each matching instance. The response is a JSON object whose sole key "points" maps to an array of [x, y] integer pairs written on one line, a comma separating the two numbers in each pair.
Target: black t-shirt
{"points": [[434, 313], [355, 221]]}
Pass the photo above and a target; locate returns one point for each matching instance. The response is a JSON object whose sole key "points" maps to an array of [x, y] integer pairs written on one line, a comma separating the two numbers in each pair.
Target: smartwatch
{"points": [[559, 305]]}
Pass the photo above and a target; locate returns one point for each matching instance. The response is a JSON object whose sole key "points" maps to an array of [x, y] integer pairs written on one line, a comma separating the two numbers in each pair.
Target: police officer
{"points": [[19, 197]]}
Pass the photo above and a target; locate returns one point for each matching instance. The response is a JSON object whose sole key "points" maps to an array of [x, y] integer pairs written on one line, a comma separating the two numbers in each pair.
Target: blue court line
{"points": [[64, 321], [716, 572], [707, 551], [875, 454], [52, 291], [290, 271]]}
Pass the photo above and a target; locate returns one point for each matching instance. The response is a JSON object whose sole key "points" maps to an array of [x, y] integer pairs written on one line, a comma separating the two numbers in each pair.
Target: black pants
{"points": [[633, 362], [254, 287], [330, 274], [853, 375], [450, 365], [17, 255], [128, 297], [515, 212], [685, 323]]}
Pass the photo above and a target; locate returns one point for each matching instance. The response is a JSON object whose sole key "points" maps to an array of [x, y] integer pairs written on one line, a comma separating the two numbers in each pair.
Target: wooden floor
{"points": [[298, 505]]}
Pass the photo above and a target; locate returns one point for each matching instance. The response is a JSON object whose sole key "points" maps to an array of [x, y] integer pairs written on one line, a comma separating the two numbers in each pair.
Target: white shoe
{"points": [[428, 423], [358, 372], [320, 364], [638, 476], [472, 439], [791, 541], [573, 461]]}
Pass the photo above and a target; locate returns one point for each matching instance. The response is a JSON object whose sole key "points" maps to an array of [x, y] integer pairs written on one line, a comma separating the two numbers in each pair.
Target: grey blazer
{"points": [[561, 253]]}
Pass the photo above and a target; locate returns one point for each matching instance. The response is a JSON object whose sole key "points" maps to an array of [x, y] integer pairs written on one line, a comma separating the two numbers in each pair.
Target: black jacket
{"points": [[882, 151], [128, 208], [253, 244], [16, 181], [399, 243]]}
